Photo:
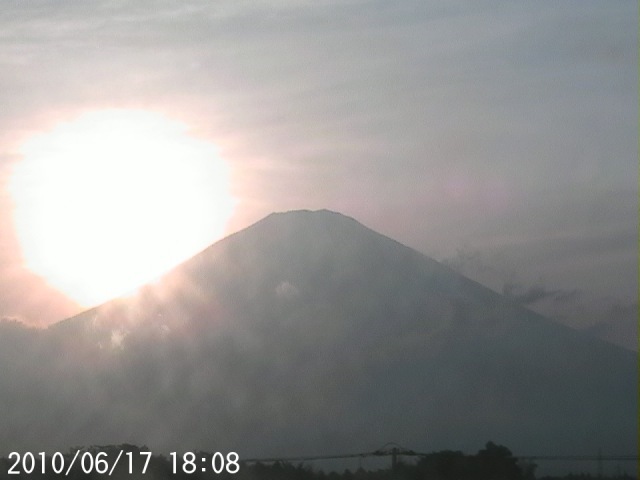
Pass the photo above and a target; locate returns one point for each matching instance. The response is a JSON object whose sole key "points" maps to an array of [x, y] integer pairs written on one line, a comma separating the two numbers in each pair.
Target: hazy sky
{"points": [[500, 137]]}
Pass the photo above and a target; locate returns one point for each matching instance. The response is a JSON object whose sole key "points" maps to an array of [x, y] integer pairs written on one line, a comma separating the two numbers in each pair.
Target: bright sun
{"points": [[115, 198]]}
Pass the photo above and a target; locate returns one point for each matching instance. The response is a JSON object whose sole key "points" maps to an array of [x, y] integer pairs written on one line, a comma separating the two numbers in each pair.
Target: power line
{"points": [[617, 458], [397, 451]]}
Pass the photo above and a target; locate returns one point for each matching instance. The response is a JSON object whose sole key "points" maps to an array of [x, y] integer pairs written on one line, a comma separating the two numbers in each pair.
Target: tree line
{"points": [[494, 462]]}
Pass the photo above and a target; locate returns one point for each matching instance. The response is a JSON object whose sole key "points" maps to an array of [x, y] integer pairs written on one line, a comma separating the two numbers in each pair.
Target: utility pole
{"points": [[599, 463], [394, 458]]}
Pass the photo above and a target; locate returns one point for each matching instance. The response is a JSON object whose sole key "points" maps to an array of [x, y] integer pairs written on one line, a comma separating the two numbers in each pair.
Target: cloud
{"points": [[618, 324], [393, 113], [609, 317], [117, 338], [286, 290], [535, 293]]}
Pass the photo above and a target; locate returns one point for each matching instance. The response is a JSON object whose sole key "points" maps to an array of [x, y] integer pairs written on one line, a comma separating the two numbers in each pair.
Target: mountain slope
{"points": [[309, 333]]}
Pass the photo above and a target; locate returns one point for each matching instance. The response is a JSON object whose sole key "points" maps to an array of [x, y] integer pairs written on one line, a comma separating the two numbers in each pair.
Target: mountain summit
{"points": [[308, 333]]}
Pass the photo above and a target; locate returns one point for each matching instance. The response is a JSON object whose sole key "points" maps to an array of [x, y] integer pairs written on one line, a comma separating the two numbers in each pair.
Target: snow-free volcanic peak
{"points": [[308, 333]]}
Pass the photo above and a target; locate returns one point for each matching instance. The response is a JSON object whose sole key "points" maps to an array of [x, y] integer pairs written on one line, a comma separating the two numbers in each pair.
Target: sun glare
{"points": [[113, 199]]}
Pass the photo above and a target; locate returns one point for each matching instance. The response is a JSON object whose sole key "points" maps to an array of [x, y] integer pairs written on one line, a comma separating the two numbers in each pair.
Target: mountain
{"points": [[308, 333]]}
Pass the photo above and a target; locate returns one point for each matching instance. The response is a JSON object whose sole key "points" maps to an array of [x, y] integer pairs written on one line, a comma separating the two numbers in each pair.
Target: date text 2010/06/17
{"points": [[90, 462]]}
